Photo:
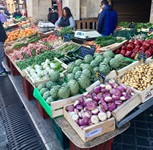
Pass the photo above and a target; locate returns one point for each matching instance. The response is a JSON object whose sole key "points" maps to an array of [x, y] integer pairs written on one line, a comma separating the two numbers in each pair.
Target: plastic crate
{"points": [[27, 89], [42, 111], [63, 139], [104, 146], [13, 70]]}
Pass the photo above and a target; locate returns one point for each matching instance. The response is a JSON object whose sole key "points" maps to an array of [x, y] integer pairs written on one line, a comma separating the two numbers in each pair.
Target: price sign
{"points": [[100, 76], [141, 57]]}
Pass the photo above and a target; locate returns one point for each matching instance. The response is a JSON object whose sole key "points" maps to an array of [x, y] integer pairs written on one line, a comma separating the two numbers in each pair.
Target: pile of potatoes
{"points": [[140, 78]]}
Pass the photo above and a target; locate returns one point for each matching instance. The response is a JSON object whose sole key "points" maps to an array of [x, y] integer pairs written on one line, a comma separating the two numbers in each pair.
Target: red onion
{"points": [[129, 90], [117, 93], [95, 111], [108, 113], [97, 89], [118, 102], [79, 107], [91, 105], [127, 95], [108, 99], [114, 85], [81, 100], [120, 88], [99, 96], [80, 114], [102, 85], [112, 91], [76, 110], [88, 114], [76, 103], [108, 87], [104, 104], [85, 120], [95, 98], [103, 90], [106, 94], [111, 106], [115, 98], [80, 122], [70, 108], [88, 95]]}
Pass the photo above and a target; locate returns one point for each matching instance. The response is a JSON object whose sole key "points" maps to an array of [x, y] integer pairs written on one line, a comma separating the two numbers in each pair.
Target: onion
{"points": [[122, 98], [94, 119], [80, 122], [117, 93], [88, 114], [103, 90], [106, 94], [104, 104], [121, 88], [99, 96], [114, 85], [85, 120], [108, 99], [79, 107], [91, 105], [75, 117], [108, 87], [80, 114], [81, 100], [95, 98], [111, 106], [108, 113], [88, 96], [115, 98], [97, 89], [102, 116], [94, 94], [76, 110], [70, 108], [126, 95], [129, 90], [95, 111], [118, 102], [88, 99], [76, 103], [102, 85], [112, 91]]}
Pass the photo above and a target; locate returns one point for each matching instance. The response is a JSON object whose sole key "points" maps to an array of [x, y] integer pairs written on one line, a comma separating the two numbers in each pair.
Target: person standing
{"points": [[54, 16], [17, 14], [49, 14], [107, 19], [2, 17], [3, 37], [66, 20]]}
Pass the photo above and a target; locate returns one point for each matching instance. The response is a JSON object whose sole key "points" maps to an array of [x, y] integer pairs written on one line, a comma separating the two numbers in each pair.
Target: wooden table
{"points": [[74, 137]]}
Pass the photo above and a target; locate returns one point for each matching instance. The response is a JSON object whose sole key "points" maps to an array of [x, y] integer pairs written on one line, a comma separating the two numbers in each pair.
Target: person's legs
{"points": [[3, 72], [1, 56]]}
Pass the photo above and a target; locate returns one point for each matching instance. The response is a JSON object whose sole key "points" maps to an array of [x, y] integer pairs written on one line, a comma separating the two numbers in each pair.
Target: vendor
{"points": [[17, 14], [66, 20], [107, 19]]}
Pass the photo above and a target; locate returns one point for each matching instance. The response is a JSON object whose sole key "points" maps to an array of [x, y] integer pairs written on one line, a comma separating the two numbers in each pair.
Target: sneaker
{"points": [[4, 73]]}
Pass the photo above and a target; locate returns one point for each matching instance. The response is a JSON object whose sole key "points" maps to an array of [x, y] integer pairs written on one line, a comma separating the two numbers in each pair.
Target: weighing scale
{"points": [[85, 35], [45, 26]]}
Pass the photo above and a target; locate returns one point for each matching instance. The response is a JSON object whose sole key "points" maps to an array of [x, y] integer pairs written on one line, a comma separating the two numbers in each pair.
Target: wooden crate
{"points": [[112, 47], [145, 94], [121, 111], [36, 83], [92, 131], [15, 70]]}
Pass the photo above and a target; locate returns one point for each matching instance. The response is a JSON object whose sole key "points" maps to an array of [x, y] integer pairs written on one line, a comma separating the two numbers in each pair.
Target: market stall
{"points": [[92, 87]]}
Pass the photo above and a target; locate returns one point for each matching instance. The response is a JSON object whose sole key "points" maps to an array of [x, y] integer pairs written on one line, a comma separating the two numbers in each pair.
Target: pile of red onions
{"points": [[98, 105]]}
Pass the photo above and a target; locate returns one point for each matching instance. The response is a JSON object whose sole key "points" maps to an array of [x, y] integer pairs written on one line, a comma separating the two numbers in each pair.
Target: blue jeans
{"points": [[1, 56]]}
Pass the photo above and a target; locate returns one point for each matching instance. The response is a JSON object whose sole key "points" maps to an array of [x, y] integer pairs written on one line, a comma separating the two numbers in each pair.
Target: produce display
{"points": [[140, 77], [31, 50], [16, 34], [106, 40], [136, 25], [45, 70], [38, 59], [125, 33], [97, 106], [131, 48], [67, 48], [66, 30]]}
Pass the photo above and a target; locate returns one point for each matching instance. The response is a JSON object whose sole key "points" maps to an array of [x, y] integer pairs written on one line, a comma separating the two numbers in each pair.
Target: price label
{"points": [[93, 132], [100, 76], [141, 57]]}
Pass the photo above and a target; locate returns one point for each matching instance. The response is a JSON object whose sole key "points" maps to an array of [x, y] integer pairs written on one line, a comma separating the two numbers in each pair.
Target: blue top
{"points": [[63, 22], [107, 21]]}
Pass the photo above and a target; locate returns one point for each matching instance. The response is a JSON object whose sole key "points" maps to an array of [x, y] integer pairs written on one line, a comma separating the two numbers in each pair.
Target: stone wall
{"points": [[151, 13], [38, 8]]}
